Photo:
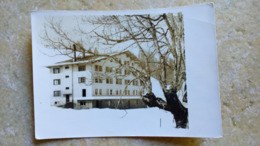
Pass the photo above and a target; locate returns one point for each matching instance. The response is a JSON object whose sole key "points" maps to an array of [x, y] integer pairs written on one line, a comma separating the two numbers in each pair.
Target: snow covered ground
{"points": [[57, 122]]}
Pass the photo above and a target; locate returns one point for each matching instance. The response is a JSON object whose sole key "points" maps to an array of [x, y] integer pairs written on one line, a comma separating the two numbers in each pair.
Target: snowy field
{"points": [[58, 122]]}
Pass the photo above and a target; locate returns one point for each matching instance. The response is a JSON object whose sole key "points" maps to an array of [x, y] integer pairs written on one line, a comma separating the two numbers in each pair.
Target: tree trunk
{"points": [[172, 104]]}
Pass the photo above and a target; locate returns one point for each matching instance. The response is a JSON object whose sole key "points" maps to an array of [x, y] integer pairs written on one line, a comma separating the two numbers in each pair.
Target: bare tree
{"points": [[160, 41]]}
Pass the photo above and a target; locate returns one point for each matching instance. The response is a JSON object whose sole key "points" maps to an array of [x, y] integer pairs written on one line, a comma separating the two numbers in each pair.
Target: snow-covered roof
{"points": [[92, 58]]}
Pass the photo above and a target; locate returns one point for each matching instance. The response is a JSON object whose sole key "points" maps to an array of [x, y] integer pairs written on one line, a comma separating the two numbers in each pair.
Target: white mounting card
{"points": [[126, 73]]}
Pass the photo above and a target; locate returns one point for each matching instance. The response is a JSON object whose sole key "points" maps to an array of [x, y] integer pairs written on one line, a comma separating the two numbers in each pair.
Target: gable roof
{"points": [[93, 58]]}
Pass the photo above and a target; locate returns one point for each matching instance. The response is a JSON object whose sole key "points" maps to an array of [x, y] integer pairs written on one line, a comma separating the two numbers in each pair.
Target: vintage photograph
{"points": [[113, 74], [115, 60]]}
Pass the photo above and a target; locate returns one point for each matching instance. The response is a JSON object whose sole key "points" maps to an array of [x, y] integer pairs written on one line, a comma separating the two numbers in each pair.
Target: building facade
{"points": [[97, 82]]}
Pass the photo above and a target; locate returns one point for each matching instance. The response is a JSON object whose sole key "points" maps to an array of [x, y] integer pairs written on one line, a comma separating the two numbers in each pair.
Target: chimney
{"points": [[74, 51]]}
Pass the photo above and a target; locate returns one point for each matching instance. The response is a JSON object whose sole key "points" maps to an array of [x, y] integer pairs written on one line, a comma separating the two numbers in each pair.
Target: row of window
{"points": [[98, 68], [57, 93], [118, 81], [100, 80], [116, 92], [58, 81]]}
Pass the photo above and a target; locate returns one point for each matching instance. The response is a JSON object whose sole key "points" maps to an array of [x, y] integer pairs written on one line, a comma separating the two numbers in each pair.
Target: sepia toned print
{"points": [[113, 60]]}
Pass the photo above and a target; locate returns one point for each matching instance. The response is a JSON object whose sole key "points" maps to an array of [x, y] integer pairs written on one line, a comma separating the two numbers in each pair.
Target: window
{"points": [[119, 61], [141, 83], [56, 82], [135, 82], [133, 92], [111, 92], [127, 62], [119, 71], [109, 81], [82, 79], [100, 91], [119, 81], [82, 103], [98, 80], [96, 91], [127, 92], [109, 69], [98, 68], [117, 92], [56, 93], [83, 92], [66, 67], [67, 76], [127, 72], [56, 70], [82, 68], [67, 88], [127, 82]]}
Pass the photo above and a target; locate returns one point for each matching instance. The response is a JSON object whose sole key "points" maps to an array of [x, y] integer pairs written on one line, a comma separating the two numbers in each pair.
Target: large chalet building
{"points": [[97, 81]]}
